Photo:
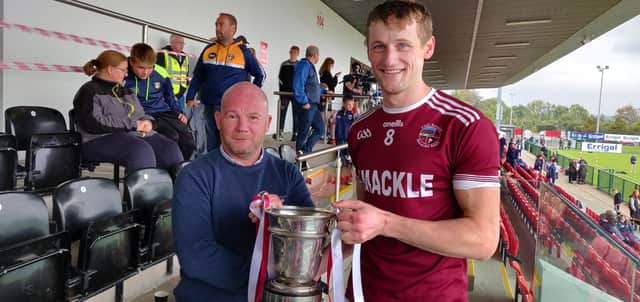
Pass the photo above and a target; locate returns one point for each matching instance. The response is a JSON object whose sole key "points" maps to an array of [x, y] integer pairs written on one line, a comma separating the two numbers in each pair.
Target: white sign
{"points": [[601, 147], [623, 138]]}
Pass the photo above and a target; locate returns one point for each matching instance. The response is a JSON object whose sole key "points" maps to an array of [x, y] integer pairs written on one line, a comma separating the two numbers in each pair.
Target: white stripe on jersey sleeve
{"points": [[466, 184], [470, 181]]}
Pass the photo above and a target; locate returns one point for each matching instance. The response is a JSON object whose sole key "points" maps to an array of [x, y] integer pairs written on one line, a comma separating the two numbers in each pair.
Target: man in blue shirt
{"points": [[633, 161], [213, 234], [306, 91]]}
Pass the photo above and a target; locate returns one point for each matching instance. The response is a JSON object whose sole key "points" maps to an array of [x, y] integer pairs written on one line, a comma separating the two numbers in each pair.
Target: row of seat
{"points": [[117, 236]]}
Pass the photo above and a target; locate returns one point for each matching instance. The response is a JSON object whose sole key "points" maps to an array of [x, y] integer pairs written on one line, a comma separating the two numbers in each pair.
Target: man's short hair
{"points": [[406, 12], [231, 17], [311, 51], [295, 48]]}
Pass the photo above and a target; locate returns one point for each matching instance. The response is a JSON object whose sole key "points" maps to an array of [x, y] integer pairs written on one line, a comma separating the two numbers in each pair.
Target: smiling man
{"points": [[214, 237], [427, 167]]}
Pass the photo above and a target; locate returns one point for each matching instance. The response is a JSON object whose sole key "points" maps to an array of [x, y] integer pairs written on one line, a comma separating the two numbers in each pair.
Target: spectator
{"points": [[608, 222], [582, 171], [176, 62], [285, 78], [440, 182], [112, 122], [512, 155], [573, 171], [307, 90], [617, 199], [222, 63], [543, 149], [634, 203], [326, 76], [633, 160], [212, 196], [503, 144], [538, 164], [552, 171], [344, 118], [626, 230], [153, 88]]}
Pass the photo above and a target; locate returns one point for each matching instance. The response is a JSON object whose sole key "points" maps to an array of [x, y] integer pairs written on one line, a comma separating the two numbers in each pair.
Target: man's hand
{"points": [[360, 221], [182, 118], [274, 201], [192, 104], [144, 126], [306, 106]]}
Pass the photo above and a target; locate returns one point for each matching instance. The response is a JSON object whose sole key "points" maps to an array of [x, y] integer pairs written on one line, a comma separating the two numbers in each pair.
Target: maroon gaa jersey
{"points": [[410, 160]]}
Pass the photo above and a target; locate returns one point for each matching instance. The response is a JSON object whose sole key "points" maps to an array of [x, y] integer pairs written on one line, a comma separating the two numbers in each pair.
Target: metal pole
{"points": [[338, 175], [601, 69], [145, 33], [511, 110], [499, 108]]}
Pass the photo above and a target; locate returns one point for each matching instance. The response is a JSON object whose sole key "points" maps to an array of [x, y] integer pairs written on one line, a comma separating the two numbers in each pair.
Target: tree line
{"points": [[539, 115]]}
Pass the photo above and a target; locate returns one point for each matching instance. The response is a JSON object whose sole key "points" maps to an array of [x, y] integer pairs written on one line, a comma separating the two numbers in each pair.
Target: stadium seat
{"points": [[25, 121], [90, 165], [149, 193], [8, 165], [90, 209], [51, 160], [7, 140], [177, 168], [288, 153], [33, 264]]}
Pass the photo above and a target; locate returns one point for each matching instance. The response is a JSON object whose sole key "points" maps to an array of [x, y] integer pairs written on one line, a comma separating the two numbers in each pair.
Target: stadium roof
{"points": [[493, 43]]}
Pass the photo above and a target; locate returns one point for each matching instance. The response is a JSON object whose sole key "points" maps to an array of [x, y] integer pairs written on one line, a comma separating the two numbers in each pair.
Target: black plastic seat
{"points": [[85, 164], [8, 164], [273, 151], [149, 193], [177, 168], [7, 141], [33, 264], [90, 209], [25, 121], [288, 153], [51, 160]]}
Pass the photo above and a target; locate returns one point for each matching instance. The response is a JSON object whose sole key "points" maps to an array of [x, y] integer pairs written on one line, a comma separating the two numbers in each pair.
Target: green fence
{"points": [[604, 179]]}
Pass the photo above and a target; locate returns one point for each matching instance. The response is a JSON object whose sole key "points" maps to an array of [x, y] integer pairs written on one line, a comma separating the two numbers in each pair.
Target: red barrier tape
{"points": [[76, 38], [17, 65]]}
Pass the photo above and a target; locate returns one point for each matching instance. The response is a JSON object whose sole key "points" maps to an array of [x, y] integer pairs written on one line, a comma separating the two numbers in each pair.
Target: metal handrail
{"points": [[287, 93], [144, 23], [322, 152]]}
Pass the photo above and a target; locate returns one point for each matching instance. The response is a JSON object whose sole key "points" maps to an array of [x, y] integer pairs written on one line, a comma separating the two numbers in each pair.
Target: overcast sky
{"points": [[574, 79]]}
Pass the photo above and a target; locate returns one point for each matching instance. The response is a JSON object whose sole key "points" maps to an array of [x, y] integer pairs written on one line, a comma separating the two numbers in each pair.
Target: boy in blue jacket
{"points": [[344, 119], [152, 85]]}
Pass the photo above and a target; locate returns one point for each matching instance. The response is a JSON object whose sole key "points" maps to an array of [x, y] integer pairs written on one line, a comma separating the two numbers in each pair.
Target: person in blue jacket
{"points": [[306, 92], [213, 234], [221, 64], [344, 118], [152, 85]]}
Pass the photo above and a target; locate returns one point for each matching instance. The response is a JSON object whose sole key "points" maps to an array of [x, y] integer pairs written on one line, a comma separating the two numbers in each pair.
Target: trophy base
{"points": [[275, 291]]}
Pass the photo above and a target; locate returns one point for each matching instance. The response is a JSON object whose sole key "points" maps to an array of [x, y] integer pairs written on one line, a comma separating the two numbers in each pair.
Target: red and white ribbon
{"points": [[260, 259], [356, 275], [17, 65], [78, 39], [64, 36]]}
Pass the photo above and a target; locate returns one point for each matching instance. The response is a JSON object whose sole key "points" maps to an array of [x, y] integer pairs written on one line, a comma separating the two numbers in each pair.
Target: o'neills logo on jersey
{"points": [[397, 184], [363, 134], [429, 136], [396, 124]]}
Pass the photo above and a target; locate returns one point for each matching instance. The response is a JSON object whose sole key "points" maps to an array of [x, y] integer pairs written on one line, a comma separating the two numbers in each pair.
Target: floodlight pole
{"points": [[601, 69]]}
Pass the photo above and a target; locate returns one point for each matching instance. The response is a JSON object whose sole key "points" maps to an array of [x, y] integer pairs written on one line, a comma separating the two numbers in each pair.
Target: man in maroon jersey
{"points": [[427, 167]]}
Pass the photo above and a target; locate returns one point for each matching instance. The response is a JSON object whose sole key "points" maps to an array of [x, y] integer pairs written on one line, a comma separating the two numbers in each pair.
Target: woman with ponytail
{"points": [[112, 123]]}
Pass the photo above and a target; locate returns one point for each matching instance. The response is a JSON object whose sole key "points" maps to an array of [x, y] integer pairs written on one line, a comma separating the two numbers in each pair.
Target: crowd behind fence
{"points": [[604, 179]]}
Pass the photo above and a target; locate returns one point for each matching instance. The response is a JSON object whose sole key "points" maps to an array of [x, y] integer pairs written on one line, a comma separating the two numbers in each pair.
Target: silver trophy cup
{"points": [[298, 235]]}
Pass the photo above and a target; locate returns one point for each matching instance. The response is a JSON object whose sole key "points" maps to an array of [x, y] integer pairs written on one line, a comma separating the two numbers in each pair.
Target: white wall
{"points": [[280, 23]]}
